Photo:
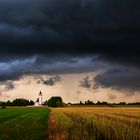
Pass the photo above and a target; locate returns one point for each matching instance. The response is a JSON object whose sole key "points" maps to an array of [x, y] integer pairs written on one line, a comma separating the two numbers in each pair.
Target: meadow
{"points": [[70, 123]]}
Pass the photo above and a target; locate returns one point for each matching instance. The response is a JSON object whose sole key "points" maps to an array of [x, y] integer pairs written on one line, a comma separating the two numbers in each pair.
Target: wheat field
{"points": [[94, 123]]}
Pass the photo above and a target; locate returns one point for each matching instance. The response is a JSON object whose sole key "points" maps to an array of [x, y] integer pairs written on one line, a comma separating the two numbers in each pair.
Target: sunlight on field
{"points": [[97, 123]]}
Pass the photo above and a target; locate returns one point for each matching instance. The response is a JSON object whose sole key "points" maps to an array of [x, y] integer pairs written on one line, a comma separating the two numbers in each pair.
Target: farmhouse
{"points": [[39, 100]]}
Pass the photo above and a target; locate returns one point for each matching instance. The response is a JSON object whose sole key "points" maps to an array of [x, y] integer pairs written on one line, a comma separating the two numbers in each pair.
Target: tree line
{"points": [[58, 102], [52, 102], [17, 102], [89, 102]]}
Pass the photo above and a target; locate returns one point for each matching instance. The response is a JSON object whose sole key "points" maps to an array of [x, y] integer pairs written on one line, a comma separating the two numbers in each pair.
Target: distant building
{"points": [[39, 100], [69, 104]]}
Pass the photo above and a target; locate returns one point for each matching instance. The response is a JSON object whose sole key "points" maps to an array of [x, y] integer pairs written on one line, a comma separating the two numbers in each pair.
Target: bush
{"points": [[31, 102], [3, 106]]}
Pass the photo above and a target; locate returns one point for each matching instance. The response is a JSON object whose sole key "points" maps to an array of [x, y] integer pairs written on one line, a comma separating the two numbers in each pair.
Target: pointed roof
{"points": [[40, 93], [37, 100]]}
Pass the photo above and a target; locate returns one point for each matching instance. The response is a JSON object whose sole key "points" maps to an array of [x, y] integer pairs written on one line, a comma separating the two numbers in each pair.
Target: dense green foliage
{"points": [[45, 103], [17, 102], [20, 102], [3, 105], [55, 102], [23, 123]]}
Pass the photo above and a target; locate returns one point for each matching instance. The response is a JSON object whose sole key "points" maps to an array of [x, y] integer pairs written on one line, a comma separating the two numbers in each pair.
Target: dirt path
{"points": [[54, 130]]}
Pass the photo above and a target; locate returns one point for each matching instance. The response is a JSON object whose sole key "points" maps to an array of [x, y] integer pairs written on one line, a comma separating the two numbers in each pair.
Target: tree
{"points": [[46, 102], [55, 102], [31, 102], [3, 105], [122, 103], [104, 103], [20, 102], [9, 103], [81, 103], [98, 103]]}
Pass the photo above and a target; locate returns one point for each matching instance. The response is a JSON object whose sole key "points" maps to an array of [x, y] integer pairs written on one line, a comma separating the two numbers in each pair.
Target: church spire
{"points": [[40, 93], [40, 98]]}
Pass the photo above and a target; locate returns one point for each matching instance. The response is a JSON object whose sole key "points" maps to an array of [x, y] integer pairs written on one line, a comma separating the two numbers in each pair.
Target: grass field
{"points": [[23, 123], [70, 123]]}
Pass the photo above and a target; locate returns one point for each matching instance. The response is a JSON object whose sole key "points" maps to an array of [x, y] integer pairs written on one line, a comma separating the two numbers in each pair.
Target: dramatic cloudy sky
{"points": [[76, 49]]}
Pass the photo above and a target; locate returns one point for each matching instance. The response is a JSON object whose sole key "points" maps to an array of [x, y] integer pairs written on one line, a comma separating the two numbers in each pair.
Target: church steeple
{"points": [[40, 93], [40, 98]]}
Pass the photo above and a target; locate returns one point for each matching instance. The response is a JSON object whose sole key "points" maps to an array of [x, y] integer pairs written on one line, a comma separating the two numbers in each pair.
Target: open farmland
{"points": [[70, 123], [95, 123], [23, 123]]}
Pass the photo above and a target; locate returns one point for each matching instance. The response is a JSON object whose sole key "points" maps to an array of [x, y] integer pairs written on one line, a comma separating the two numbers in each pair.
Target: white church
{"points": [[39, 100]]}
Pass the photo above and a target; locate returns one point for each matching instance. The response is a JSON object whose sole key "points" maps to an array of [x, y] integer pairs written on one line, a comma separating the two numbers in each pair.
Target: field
{"points": [[96, 123], [70, 123], [23, 123]]}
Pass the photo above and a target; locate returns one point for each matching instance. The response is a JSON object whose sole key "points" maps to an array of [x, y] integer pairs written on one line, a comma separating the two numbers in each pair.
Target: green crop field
{"points": [[23, 123], [70, 123]]}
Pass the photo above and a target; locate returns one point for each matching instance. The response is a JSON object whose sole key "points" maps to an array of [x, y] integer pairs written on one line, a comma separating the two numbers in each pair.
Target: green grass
{"points": [[23, 123]]}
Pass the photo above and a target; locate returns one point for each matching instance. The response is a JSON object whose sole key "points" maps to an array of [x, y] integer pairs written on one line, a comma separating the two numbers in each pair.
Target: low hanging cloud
{"points": [[16, 68], [122, 78], [50, 81], [7, 86], [86, 82]]}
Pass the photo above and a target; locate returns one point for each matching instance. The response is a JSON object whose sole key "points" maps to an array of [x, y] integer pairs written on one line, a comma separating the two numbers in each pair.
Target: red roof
{"points": [[37, 100]]}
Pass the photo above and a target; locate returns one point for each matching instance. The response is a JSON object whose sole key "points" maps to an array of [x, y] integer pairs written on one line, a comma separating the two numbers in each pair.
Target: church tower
{"points": [[40, 98]]}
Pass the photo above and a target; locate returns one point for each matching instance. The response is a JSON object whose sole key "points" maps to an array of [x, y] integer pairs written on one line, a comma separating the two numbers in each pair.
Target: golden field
{"points": [[94, 123]]}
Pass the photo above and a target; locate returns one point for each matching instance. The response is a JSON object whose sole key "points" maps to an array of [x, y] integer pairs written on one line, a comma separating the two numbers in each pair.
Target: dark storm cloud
{"points": [[14, 69], [121, 78], [68, 25], [86, 82], [28, 27], [61, 36], [50, 81], [8, 85]]}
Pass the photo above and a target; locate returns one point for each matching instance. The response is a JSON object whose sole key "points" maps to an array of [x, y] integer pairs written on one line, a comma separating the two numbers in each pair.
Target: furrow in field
{"points": [[28, 126], [108, 127]]}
